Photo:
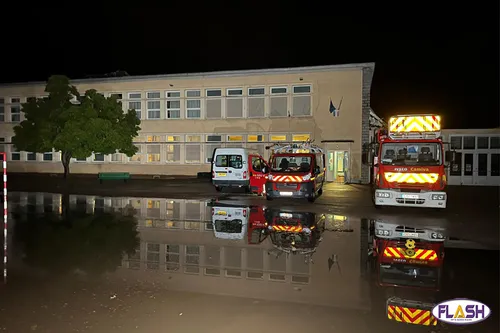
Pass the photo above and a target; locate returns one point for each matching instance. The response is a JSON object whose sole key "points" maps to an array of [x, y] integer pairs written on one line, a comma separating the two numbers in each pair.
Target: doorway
{"points": [[338, 166]]}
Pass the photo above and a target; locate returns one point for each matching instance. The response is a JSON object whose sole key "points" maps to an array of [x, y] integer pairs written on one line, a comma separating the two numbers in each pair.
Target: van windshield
{"points": [[229, 161], [291, 163]]}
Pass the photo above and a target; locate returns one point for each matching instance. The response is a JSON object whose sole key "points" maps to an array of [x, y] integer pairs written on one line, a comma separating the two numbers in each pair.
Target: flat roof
{"points": [[271, 71]]}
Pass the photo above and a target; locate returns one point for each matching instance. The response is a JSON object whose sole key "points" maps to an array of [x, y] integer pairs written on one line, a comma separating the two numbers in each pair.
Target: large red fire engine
{"points": [[409, 271], [409, 163], [297, 170]]}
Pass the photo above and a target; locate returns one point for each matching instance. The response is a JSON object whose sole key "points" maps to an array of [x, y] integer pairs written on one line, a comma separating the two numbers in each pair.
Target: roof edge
{"points": [[202, 75]]}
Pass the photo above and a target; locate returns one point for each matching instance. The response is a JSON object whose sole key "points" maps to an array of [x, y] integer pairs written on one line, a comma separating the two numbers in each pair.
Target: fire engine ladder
{"points": [[295, 147]]}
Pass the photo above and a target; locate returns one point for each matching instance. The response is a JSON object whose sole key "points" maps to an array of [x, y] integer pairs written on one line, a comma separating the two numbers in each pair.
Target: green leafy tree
{"points": [[96, 124]]}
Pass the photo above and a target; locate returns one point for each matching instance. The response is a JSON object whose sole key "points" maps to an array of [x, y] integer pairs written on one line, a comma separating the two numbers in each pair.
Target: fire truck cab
{"points": [[297, 170], [294, 232], [408, 271], [409, 164]]}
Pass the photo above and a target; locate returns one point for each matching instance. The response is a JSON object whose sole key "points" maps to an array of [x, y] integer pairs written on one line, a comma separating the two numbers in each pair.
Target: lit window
{"points": [[278, 138], [153, 152], [173, 138], [255, 138], [234, 138], [301, 137], [154, 138]]}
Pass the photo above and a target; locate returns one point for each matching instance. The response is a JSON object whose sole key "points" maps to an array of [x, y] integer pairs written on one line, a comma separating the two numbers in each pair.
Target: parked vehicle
{"points": [[297, 170], [240, 168], [409, 163]]}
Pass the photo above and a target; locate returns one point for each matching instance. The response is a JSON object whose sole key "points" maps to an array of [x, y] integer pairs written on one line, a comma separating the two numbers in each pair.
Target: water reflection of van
{"points": [[230, 222]]}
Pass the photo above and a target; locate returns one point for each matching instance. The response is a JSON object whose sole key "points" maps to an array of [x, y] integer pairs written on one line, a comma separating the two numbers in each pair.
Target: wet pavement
{"points": [[151, 265]]}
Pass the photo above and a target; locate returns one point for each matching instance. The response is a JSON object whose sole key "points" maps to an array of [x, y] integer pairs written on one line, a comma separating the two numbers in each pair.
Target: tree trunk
{"points": [[65, 159]]}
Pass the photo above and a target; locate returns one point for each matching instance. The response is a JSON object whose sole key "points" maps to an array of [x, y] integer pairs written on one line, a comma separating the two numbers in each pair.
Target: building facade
{"points": [[184, 117], [477, 156]]}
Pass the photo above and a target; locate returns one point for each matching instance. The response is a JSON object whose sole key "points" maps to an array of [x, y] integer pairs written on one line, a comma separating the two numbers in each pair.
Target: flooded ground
{"points": [[178, 265]]}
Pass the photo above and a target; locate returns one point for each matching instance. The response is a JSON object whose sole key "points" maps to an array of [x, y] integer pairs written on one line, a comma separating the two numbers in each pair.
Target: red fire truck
{"points": [[409, 163], [408, 271], [297, 170]]}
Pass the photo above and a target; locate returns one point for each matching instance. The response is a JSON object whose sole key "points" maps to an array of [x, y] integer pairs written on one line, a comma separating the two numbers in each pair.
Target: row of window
{"points": [[189, 149], [214, 261], [213, 104], [475, 142]]}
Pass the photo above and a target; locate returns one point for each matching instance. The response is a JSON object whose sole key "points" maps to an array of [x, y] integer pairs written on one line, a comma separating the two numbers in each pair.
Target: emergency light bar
{"points": [[295, 148], [415, 127]]}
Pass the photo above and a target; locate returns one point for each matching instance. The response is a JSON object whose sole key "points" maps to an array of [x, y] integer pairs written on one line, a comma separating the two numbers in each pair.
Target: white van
{"points": [[238, 167], [230, 222]]}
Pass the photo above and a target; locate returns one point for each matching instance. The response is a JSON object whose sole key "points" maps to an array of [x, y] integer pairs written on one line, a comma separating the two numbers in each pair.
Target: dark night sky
{"points": [[428, 58]]}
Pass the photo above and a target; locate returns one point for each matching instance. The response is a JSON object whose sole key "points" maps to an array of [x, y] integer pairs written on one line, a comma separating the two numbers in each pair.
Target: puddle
{"points": [[268, 253]]}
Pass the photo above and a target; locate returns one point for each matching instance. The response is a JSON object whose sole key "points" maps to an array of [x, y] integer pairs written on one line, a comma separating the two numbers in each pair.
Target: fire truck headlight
{"points": [[270, 227], [306, 230], [383, 232], [306, 177], [383, 195], [436, 235], [438, 196], [270, 177]]}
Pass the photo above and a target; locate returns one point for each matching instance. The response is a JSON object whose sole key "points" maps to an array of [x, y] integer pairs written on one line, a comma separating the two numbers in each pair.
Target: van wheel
{"points": [[218, 188]]}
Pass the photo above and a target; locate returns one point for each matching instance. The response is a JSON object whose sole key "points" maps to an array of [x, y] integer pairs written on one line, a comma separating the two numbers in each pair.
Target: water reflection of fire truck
{"points": [[408, 266], [257, 226], [294, 232], [297, 171]]}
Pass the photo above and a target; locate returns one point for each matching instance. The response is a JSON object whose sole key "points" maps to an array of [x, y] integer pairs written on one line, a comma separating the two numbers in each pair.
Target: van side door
{"points": [[258, 173]]}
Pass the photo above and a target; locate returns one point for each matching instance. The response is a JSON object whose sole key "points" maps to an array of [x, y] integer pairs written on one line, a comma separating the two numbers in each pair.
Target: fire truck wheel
{"points": [[320, 192], [269, 198], [312, 198]]}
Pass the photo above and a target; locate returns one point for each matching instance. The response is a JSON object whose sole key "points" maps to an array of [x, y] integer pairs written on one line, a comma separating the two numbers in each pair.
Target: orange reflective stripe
{"points": [[287, 228], [411, 315], [421, 254], [287, 178], [411, 178]]}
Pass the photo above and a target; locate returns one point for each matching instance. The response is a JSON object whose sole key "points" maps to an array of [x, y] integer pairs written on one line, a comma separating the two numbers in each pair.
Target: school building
{"points": [[185, 116]]}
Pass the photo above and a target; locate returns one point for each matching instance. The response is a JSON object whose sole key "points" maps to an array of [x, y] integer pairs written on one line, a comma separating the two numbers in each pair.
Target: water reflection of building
{"points": [[178, 247]]}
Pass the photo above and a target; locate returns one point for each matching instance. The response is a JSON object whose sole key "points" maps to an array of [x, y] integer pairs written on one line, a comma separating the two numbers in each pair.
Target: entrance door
{"points": [[494, 169], [480, 173], [338, 166], [468, 169], [330, 166], [347, 174]]}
